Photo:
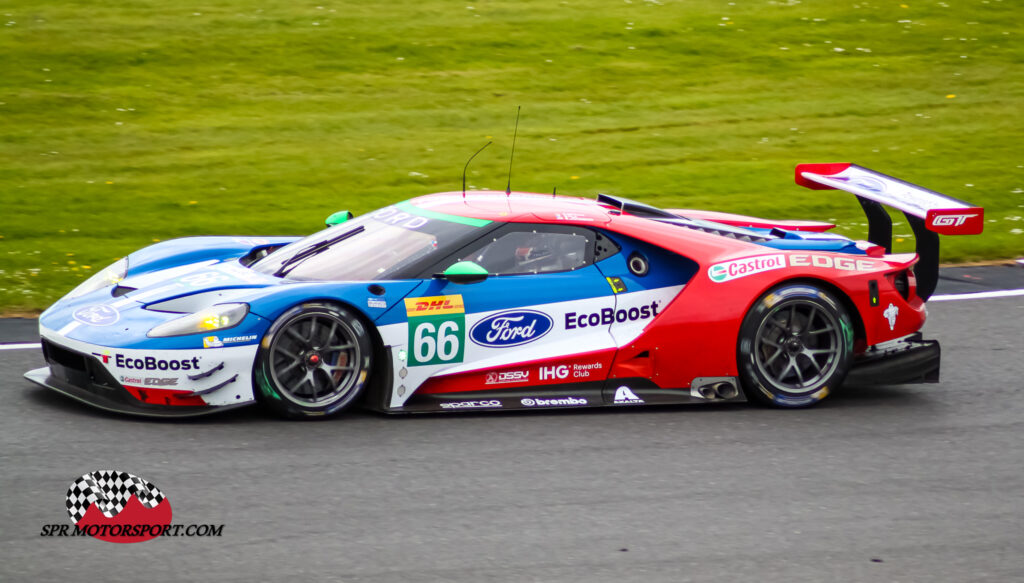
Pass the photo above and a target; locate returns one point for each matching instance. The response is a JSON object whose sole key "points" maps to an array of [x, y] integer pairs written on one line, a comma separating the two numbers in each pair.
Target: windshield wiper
{"points": [[313, 250]]}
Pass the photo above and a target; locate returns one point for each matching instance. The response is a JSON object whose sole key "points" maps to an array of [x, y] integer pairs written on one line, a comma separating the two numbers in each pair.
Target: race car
{"points": [[490, 301]]}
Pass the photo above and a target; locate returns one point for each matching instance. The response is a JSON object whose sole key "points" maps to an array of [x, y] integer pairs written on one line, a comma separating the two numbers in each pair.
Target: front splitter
{"points": [[43, 377]]}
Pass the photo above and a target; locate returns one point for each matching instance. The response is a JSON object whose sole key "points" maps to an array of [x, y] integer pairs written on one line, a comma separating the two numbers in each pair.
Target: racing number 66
{"points": [[446, 343], [436, 341]]}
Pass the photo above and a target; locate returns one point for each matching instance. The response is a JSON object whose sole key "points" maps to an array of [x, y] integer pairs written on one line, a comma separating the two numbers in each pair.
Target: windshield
{"points": [[387, 244]]}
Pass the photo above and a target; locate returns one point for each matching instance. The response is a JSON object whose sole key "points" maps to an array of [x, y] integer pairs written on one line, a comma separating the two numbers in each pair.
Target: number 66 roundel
{"points": [[437, 329]]}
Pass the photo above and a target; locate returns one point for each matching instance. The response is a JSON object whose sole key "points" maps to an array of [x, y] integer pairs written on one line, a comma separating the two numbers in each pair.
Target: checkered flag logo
{"points": [[110, 491]]}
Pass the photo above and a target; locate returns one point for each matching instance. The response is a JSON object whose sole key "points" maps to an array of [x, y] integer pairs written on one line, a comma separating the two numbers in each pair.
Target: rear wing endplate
{"points": [[929, 213]]}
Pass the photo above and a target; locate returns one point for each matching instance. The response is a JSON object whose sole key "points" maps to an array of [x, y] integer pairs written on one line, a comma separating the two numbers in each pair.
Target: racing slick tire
{"points": [[795, 346], [314, 362]]}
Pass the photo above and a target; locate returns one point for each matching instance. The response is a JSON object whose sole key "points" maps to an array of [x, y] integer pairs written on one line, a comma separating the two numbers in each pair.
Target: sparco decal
{"points": [[472, 404], [610, 316], [742, 267], [538, 402], [150, 362], [512, 328]]}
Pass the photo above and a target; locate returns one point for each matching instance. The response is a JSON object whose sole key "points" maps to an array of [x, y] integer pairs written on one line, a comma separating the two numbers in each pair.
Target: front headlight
{"points": [[219, 317], [105, 278]]}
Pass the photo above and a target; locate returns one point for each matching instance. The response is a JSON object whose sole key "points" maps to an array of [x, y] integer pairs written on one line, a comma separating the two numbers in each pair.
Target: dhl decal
{"points": [[434, 306]]}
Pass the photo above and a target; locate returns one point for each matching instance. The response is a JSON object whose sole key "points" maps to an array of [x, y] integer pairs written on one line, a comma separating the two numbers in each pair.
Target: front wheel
{"points": [[314, 361], [795, 347]]}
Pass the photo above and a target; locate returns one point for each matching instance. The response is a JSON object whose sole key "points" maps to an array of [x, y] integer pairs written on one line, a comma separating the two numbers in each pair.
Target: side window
{"points": [[521, 249], [605, 248]]}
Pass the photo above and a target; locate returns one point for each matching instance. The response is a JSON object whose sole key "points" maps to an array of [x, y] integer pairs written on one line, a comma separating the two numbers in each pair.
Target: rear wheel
{"points": [[315, 361], [796, 346]]}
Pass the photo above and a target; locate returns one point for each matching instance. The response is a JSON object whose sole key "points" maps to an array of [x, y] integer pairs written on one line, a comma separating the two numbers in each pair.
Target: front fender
{"points": [[386, 304], [188, 250]]}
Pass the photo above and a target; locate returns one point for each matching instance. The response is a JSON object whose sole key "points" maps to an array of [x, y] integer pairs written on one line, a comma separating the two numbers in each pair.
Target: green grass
{"points": [[125, 123]]}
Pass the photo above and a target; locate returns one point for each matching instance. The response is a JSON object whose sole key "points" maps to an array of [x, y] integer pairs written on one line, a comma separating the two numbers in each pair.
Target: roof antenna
{"points": [[554, 191], [467, 166], [508, 188]]}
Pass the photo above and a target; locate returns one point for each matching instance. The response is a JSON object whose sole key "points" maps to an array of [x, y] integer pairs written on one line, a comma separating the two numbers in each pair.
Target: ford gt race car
{"points": [[492, 301]]}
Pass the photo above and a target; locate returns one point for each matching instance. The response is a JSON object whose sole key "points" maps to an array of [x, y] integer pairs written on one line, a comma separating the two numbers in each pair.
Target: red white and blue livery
{"points": [[488, 301]]}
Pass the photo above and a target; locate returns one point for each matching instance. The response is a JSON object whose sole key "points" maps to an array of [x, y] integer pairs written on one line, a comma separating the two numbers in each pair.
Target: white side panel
{"points": [[579, 326]]}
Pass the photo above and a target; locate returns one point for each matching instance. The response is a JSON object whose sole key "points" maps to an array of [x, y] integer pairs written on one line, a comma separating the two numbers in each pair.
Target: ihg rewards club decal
{"points": [[119, 507]]}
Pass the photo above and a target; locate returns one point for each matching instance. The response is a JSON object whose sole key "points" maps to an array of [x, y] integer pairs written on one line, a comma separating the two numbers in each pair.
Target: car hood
{"points": [[122, 315], [190, 288]]}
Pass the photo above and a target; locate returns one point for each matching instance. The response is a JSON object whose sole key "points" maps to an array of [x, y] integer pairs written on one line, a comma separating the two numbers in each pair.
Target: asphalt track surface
{"points": [[900, 483]]}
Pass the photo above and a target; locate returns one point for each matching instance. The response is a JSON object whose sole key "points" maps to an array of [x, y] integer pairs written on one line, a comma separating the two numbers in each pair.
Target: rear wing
{"points": [[929, 213]]}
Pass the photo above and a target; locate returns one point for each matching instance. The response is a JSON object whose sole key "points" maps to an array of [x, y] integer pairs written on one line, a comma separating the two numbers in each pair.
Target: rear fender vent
{"points": [[902, 284]]}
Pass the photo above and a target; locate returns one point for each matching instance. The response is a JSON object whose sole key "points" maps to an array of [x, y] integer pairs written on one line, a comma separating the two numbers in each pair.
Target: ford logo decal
{"points": [[511, 328], [97, 315]]}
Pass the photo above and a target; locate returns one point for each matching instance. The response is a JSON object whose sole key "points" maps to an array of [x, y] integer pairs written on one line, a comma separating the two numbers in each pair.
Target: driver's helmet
{"points": [[537, 252]]}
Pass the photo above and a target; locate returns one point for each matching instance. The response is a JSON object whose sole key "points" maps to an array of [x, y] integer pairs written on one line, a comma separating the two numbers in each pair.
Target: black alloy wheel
{"points": [[795, 347], [315, 361]]}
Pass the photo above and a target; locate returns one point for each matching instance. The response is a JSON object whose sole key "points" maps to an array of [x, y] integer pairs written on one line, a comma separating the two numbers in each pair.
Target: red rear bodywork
{"points": [[696, 335]]}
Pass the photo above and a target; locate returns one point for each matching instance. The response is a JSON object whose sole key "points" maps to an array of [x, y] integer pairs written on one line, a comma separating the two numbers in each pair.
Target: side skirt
{"points": [[621, 393]]}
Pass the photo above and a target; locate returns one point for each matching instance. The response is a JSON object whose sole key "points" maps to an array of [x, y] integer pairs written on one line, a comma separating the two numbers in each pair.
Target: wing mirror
{"points": [[338, 218], [465, 272]]}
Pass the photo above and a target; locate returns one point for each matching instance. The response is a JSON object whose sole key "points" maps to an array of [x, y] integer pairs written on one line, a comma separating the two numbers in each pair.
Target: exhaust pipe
{"points": [[707, 391], [716, 388], [724, 390]]}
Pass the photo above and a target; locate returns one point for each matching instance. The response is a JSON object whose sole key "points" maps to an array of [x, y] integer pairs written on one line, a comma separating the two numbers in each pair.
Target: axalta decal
{"points": [[437, 329], [512, 328], [721, 272], [609, 316], [149, 362]]}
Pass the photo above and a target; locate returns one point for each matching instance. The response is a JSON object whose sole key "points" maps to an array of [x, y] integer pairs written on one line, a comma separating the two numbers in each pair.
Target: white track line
{"points": [[20, 346], [1003, 293]]}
